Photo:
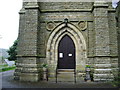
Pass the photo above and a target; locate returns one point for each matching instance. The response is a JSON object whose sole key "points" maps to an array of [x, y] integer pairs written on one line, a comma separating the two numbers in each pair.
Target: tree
{"points": [[13, 51]]}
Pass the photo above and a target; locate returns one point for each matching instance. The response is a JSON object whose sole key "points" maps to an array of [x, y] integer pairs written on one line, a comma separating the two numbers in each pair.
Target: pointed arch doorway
{"points": [[52, 54], [66, 53]]}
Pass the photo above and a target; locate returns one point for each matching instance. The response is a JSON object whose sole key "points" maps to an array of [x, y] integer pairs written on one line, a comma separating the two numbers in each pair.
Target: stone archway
{"points": [[54, 39]]}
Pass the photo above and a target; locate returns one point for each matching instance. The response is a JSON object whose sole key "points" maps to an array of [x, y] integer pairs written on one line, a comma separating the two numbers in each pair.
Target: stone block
{"points": [[103, 71], [32, 77], [103, 77], [102, 65], [30, 70]]}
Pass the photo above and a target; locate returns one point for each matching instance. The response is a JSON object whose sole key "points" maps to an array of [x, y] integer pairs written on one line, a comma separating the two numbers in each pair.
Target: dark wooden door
{"points": [[66, 53]]}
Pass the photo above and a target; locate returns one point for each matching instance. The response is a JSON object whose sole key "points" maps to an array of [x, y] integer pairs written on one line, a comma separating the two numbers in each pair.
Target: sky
{"points": [[9, 19]]}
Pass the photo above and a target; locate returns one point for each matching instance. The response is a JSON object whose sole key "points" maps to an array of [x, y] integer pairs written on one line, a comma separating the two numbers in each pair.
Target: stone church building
{"points": [[69, 36]]}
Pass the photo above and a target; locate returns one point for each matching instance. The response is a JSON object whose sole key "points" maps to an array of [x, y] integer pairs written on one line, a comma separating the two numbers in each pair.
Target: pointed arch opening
{"points": [[53, 42], [66, 53]]}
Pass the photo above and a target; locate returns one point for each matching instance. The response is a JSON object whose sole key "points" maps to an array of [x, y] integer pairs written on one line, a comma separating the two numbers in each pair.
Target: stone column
{"points": [[102, 62], [20, 44], [28, 53]]}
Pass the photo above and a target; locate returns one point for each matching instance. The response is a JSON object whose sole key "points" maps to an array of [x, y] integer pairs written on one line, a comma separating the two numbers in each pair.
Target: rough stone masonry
{"points": [[91, 26], [118, 30]]}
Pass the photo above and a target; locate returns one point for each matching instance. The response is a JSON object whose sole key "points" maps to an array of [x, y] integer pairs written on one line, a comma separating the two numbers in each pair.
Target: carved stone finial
{"points": [[66, 21]]}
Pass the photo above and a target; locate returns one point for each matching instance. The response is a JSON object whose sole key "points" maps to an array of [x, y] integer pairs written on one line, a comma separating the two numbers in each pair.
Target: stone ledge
{"points": [[111, 56], [67, 10], [103, 76], [102, 65], [100, 4], [22, 11], [31, 70], [32, 6], [111, 10], [103, 79], [40, 56], [101, 71], [27, 65]]}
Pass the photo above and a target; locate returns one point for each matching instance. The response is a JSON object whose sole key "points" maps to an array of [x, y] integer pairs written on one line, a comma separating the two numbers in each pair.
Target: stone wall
{"points": [[56, 14], [55, 6], [92, 26], [27, 63], [118, 30]]}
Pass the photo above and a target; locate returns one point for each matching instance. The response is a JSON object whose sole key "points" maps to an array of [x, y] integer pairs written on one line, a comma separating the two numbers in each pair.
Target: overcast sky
{"points": [[9, 19]]}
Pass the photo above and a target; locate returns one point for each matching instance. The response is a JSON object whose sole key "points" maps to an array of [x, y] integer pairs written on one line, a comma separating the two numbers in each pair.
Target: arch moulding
{"points": [[54, 39]]}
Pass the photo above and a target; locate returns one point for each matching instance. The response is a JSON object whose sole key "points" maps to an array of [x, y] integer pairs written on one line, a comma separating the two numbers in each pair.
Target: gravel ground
{"points": [[9, 82]]}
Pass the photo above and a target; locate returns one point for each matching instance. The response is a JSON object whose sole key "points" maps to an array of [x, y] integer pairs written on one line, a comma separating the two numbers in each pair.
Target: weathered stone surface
{"points": [[118, 31], [32, 77], [103, 77], [65, 5], [97, 44]]}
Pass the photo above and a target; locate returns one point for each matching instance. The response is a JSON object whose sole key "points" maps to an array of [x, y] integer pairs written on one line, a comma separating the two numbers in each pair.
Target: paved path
{"points": [[8, 82]]}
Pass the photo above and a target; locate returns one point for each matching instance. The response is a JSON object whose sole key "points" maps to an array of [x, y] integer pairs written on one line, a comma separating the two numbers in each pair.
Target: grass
{"points": [[5, 67]]}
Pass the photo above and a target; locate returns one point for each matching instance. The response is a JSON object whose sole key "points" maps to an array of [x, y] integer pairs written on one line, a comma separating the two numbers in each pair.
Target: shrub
{"points": [[88, 66], [116, 81], [44, 65]]}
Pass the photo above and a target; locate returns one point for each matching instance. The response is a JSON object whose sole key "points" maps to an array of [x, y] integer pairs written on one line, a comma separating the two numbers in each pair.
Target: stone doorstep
{"points": [[68, 79], [65, 72], [66, 76]]}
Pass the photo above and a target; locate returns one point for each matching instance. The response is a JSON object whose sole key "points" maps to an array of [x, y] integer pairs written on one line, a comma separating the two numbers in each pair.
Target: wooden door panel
{"points": [[67, 50]]}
